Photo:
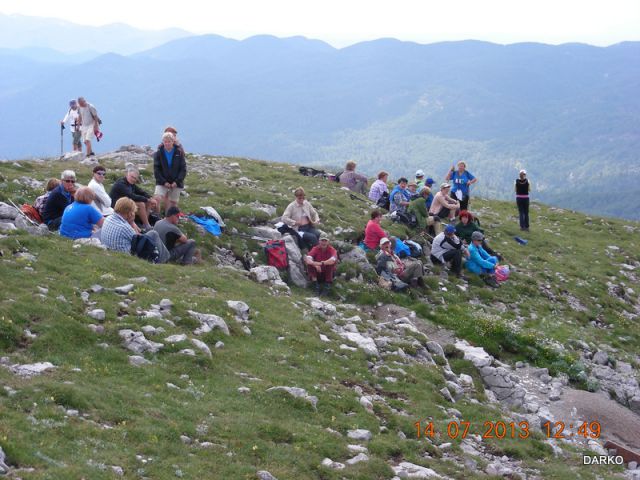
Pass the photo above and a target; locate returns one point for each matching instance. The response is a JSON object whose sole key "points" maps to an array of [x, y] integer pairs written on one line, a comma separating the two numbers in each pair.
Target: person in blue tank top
{"points": [[461, 179]]}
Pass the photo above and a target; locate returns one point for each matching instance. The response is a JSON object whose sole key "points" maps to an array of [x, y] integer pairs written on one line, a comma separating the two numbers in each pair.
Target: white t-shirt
{"points": [[103, 200], [72, 117]]}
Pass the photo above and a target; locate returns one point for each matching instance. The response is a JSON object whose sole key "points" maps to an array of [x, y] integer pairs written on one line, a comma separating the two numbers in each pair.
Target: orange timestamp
{"points": [[500, 430]]}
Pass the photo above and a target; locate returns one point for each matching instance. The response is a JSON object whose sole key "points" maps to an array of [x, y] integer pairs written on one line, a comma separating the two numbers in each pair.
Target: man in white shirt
{"points": [[73, 117], [89, 123]]}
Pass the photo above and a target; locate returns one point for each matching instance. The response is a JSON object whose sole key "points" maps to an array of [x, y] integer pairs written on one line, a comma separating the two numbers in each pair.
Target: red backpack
{"points": [[276, 254], [31, 212]]}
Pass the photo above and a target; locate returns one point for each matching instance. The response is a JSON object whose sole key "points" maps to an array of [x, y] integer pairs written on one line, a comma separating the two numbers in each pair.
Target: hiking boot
{"points": [[92, 154], [462, 276], [325, 291], [317, 288], [490, 280]]}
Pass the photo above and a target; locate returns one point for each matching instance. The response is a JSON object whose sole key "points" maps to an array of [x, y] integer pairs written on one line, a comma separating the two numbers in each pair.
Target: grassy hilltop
{"points": [[183, 416]]}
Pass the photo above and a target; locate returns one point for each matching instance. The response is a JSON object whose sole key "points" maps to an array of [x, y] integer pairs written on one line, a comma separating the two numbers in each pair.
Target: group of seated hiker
{"points": [[127, 210]]}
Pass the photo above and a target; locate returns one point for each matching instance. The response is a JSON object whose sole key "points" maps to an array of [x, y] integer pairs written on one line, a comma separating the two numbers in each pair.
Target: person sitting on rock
{"points": [[469, 224], [80, 217], [302, 217], [418, 207], [126, 187], [379, 187], [373, 232], [480, 262], [41, 201], [102, 201], [181, 249], [119, 229], [59, 199], [447, 247], [409, 270], [321, 265], [352, 180], [443, 206], [399, 197], [170, 170]]}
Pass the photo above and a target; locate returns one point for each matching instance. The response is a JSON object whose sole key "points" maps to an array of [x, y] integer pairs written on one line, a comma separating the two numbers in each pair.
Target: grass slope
{"points": [[134, 417]]}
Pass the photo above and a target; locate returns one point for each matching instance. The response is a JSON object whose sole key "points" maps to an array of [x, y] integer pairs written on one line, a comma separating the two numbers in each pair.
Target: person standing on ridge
{"points": [[523, 188], [89, 124], [169, 170], [461, 180], [73, 117]]}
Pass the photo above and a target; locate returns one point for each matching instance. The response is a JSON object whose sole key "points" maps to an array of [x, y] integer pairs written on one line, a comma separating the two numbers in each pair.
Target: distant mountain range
{"points": [[569, 114]]}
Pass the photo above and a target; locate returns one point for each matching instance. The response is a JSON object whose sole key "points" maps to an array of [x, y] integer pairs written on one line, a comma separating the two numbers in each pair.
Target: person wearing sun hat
{"points": [[447, 247], [321, 265], [409, 270], [523, 188], [443, 205]]}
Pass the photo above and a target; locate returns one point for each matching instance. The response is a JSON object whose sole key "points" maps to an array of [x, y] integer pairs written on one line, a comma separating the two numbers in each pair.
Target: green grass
{"points": [[127, 412]]}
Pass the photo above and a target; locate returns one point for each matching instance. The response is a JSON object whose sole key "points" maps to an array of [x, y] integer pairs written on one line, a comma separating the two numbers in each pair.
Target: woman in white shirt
{"points": [[103, 200]]}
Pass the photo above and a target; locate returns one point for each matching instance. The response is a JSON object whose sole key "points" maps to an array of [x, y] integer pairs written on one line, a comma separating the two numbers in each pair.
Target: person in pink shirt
{"points": [[373, 232]]}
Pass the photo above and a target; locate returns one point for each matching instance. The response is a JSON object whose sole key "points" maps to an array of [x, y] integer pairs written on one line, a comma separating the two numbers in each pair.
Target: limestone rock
{"points": [[327, 462], [326, 308], [4, 468], [365, 343], [360, 434], [97, 314], [138, 361], [296, 265], [137, 343], [31, 369], [125, 289], [241, 310], [208, 322], [176, 338], [410, 470], [600, 357], [361, 457], [358, 257], [203, 347], [266, 232], [435, 348], [475, 355], [8, 212], [297, 393], [264, 475]]}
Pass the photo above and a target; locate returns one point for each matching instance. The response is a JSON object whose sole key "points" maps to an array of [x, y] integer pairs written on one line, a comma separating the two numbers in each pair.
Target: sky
{"points": [[344, 22]]}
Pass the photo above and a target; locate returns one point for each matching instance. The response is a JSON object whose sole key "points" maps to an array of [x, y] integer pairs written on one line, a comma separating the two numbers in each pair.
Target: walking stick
{"points": [[61, 139]]}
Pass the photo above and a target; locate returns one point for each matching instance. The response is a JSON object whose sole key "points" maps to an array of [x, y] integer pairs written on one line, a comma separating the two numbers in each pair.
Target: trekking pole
{"points": [[61, 139]]}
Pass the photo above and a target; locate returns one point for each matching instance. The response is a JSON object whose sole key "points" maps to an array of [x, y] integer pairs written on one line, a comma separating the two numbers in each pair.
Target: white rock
{"points": [[119, 471], [298, 393], [327, 462], [366, 403], [188, 351], [176, 338], [138, 361], [324, 338], [466, 380], [357, 449], [31, 369], [166, 304], [244, 390], [4, 468], [97, 314], [323, 307], [361, 457], [475, 355], [241, 310], [208, 322], [219, 344], [410, 470], [137, 343], [365, 343], [360, 434], [203, 347], [125, 289], [264, 475]]}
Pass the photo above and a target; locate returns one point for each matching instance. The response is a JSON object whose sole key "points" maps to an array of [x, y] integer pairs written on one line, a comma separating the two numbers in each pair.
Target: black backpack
{"points": [[143, 247], [383, 201], [409, 219]]}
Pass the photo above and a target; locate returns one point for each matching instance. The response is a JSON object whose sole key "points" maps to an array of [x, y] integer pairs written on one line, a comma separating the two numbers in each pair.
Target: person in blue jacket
{"points": [[480, 262], [400, 196], [461, 179]]}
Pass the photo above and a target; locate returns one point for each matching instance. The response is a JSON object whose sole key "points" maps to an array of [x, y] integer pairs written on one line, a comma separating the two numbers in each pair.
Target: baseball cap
{"points": [[477, 236], [324, 236], [450, 229], [72, 102], [523, 171], [173, 211], [444, 185], [419, 173], [429, 181], [384, 240]]}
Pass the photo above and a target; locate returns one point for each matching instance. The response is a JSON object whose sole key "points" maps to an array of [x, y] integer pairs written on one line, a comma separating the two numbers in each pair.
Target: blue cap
{"points": [[72, 102], [429, 181], [449, 229]]}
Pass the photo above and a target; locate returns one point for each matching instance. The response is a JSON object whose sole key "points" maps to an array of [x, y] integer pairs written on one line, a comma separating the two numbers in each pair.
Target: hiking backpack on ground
{"points": [[276, 252], [383, 201], [31, 213], [143, 247]]}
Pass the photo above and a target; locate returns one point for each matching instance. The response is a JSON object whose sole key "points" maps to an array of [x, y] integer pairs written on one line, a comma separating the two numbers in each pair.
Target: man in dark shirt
{"points": [[126, 187], [59, 199], [180, 247]]}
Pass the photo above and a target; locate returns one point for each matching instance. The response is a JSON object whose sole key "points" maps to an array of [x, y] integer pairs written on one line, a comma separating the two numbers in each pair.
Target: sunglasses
{"points": [[102, 174], [69, 181]]}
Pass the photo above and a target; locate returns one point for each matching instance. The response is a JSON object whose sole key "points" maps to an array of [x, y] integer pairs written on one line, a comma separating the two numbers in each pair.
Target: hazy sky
{"points": [[342, 22]]}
